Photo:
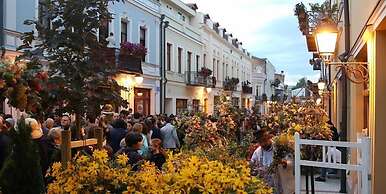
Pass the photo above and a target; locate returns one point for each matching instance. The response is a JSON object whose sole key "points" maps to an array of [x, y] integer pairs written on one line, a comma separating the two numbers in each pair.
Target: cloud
{"points": [[267, 28]]}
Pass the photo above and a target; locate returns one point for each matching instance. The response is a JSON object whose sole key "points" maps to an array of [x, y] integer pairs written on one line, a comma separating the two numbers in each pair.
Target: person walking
{"points": [[169, 135], [116, 134], [5, 142]]}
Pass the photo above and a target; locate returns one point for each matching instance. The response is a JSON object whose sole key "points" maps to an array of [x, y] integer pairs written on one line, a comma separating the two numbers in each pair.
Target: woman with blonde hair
{"points": [[138, 128]]}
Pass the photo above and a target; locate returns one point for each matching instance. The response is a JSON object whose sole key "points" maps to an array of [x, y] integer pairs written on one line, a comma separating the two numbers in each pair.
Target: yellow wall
{"points": [[360, 11]]}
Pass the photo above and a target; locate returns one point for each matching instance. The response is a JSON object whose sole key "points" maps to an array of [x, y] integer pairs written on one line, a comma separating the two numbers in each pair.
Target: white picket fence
{"points": [[362, 166]]}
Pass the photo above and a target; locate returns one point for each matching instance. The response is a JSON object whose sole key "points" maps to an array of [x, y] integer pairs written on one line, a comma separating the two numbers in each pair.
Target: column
{"points": [[377, 121]]}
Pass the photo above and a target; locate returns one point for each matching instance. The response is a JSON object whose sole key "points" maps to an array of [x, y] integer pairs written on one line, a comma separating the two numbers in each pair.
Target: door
{"points": [[142, 101]]}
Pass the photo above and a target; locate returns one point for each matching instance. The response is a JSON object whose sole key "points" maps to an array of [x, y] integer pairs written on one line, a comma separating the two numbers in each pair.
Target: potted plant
{"points": [[301, 13], [205, 72], [130, 56]]}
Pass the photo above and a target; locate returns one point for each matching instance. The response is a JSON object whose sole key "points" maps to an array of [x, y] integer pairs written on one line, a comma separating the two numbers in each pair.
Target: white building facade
{"points": [[137, 21], [183, 53], [227, 59], [193, 43]]}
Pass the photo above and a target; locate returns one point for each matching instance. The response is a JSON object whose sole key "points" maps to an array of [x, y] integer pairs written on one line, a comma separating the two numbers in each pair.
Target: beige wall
{"points": [[360, 11]]}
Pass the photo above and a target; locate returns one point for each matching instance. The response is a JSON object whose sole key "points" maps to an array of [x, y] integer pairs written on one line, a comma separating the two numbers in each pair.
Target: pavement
{"points": [[331, 186]]}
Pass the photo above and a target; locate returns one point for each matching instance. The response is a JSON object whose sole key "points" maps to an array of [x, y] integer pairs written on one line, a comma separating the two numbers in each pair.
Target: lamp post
{"points": [[321, 84]]}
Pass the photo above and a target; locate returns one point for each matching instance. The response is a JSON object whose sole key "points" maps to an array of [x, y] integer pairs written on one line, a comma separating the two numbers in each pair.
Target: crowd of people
{"points": [[141, 138]]}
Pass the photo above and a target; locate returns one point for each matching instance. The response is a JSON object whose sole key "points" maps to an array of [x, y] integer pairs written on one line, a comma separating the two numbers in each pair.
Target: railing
{"points": [[332, 159], [124, 62], [247, 89], [230, 84], [194, 78]]}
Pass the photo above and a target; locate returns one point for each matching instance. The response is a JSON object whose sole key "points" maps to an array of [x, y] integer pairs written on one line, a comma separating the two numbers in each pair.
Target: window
{"points": [[196, 105], [104, 30], [142, 38], [181, 16], [179, 69], [169, 56], [204, 60], [189, 61], [197, 62], [235, 101], [123, 31], [181, 106], [217, 68], [214, 67], [226, 70]]}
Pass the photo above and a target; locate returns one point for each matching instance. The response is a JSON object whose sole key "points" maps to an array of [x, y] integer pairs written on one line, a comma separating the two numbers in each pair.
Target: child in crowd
{"points": [[158, 155], [134, 142]]}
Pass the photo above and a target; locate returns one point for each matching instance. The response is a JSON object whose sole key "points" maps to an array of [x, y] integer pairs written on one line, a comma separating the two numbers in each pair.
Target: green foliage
{"points": [[79, 67], [22, 172], [301, 83]]}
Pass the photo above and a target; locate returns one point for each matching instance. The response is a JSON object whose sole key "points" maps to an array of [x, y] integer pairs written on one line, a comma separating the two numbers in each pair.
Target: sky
{"points": [[268, 29]]}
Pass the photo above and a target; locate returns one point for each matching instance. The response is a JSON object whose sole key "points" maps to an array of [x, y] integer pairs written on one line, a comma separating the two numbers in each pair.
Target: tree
{"points": [[80, 68], [22, 171], [301, 83]]}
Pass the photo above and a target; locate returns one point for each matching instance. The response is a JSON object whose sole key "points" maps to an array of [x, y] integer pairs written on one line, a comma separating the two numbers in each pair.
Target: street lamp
{"points": [[138, 79], [321, 85], [326, 35]]}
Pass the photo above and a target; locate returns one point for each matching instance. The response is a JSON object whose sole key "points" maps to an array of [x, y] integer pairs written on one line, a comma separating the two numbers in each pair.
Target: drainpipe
{"points": [[162, 69], [265, 80], [343, 136], [1, 24], [161, 66], [166, 24]]}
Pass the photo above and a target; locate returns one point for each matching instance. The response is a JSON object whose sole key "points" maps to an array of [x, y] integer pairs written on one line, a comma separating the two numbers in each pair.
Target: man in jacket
{"points": [[169, 135]]}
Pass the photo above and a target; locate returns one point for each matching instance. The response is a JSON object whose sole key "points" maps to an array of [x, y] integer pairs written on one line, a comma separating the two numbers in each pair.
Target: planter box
{"points": [[130, 63]]}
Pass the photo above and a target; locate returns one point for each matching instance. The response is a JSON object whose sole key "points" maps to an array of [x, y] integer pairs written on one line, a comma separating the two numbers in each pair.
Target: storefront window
{"points": [[181, 106], [196, 105], [235, 101]]}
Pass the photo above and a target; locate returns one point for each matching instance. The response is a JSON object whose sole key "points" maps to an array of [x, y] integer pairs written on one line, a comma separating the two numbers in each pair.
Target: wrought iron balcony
{"points": [[247, 89], [124, 62], [230, 84], [194, 78]]}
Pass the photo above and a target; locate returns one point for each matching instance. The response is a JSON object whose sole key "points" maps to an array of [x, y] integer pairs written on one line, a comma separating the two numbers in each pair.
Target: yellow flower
{"points": [[122, 159]]}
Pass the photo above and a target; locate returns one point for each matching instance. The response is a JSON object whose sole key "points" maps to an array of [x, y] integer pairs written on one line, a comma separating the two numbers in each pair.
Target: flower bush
{"points": [[21, 84], [205, 72], [133, 49], [285, 119], [183, 173]]}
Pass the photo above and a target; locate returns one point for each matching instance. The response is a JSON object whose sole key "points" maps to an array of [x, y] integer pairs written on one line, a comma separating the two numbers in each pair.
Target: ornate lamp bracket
{"points": [[356, 72]]}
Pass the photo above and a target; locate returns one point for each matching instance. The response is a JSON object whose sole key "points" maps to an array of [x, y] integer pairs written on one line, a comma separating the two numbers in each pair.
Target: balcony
{"points": [[247, 89], [194, 78], [125, 63], [230, 84]]}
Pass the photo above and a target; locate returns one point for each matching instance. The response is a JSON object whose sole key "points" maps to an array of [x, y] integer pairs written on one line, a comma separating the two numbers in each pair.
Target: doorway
{"points": [[142, 101]]}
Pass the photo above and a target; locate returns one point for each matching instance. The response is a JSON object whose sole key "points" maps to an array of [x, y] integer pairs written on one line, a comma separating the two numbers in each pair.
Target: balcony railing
{"points": [[124, 62], [230, 84], [194, 78], [247, 89]]}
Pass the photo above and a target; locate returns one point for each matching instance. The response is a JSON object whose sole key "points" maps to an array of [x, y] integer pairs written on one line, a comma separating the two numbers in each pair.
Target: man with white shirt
{"points": [[169, 136], [263, 155]]}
